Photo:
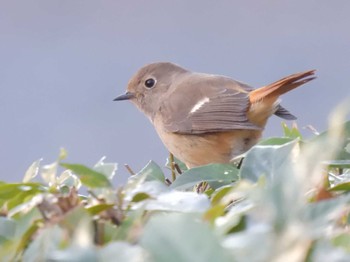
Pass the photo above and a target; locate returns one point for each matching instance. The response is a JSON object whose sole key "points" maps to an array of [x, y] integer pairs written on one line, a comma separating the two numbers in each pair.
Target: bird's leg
{"points": [[178, 169]]}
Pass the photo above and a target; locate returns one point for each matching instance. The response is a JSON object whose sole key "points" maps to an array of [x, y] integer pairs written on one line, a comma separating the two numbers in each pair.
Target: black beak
{"points": [[125, 96]]}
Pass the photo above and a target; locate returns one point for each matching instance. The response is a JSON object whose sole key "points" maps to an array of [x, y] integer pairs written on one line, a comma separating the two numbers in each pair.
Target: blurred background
{"points": [[62, 63]]}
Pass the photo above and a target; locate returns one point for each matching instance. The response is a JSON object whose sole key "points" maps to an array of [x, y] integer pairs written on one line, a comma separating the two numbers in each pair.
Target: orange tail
{"points": [[274, 90]]}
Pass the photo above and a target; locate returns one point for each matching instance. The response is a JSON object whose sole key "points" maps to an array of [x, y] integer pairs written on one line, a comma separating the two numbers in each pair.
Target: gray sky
{"points": [[62, 62]]}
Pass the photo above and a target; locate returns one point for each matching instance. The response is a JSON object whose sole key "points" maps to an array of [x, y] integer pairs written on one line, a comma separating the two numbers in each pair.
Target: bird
{"points": [[207, 118]]}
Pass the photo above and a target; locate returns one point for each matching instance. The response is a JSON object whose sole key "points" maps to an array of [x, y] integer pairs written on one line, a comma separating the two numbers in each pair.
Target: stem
{"points": [[172, 165]]}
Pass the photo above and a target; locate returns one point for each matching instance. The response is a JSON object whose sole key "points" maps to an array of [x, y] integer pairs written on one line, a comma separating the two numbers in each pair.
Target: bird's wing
{"points": [[207, 103], [284, 113]]}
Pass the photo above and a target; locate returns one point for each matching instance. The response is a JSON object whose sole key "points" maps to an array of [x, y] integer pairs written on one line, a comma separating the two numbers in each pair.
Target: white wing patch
{"points": [[199, 104]]}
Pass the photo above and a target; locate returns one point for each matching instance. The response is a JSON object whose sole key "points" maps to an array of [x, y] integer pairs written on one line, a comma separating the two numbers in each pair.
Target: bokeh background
{"points": [[62, 62]]}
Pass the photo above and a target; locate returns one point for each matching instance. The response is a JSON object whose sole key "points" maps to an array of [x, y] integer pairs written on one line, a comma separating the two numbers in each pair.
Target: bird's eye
{"points": [[150, 82]]}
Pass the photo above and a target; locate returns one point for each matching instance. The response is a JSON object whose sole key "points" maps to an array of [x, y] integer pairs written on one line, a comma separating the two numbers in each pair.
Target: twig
{"points": [[240, 163], [172, 165], [129, 169], [99, 232], [94, 195]]}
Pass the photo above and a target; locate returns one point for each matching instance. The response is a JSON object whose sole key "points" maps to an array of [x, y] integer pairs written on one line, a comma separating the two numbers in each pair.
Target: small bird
{"points": [[205, 118]]}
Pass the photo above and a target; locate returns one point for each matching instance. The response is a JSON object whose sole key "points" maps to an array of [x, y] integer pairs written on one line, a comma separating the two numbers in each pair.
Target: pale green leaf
{"points": [[223, 173]]}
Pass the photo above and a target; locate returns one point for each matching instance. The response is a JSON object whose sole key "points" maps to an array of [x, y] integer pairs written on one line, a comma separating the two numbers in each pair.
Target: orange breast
{"points": [[220, 147]]}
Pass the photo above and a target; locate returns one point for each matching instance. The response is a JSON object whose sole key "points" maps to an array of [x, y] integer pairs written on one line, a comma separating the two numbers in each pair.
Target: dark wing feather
{"points": [[225, 109], [284, 113]]}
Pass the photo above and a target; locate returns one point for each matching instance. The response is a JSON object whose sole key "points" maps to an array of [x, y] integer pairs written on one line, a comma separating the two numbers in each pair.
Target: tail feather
{"points": [[282, 86]]}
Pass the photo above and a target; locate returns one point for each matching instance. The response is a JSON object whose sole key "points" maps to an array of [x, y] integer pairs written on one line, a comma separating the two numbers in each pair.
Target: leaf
{"points": [[28, 236], [19, 202], [88, 177], [269, 161], [214, 172], [32, 171], [73, 254], [177, 201], [49, 172], [13, 190], [151, 188], [343, 153], [63, 154], [68, 179], [96, 209], [338, 163], [108, 169], [177, 237], [122, 251], [149, 180], [77, 216], [343, 241], [47, 246], [7, 229], [131, 227], [318, 214], [140, 197], [219, 194], [240, 226], [152, 172], [292, 132], [341, 187], [213, 213], [181, 165], [275, 141]]}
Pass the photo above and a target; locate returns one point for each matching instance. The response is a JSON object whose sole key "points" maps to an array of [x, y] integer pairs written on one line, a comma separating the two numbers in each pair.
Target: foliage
{"points": [[288, 201]]}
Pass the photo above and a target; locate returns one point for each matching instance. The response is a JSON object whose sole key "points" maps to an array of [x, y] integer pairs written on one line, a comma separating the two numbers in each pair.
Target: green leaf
{"points": [[63, 154], [49, 173], [8, 191], [344, 152], [7, 229], [152, 172], [16, 191], [108, 169], [151, 188], [214, 212], [275, 141], [78, 216], [178, 201], [292, 132], [32, 171], [131, 227], [211, 173], [338, 163], [21, 199], [181, 165], [240, 226], [318, 214], [96, 209], [177, 237], [269, 161], [69, 180], [28, 235], [140, 197], [343, 241], [88, 177], [341, 187], [122, 251], [219, 194]]}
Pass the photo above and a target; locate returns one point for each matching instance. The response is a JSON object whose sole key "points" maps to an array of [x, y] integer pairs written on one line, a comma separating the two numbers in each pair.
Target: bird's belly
{"points": [[219, 147]]}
